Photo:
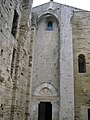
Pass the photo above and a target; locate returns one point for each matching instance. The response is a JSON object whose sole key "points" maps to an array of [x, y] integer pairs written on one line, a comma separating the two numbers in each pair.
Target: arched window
{"points": [[49, 25], [81, 63]]}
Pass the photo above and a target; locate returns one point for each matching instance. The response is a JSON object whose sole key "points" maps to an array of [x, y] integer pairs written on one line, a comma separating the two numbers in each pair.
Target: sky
{"points": [[82, 4]]}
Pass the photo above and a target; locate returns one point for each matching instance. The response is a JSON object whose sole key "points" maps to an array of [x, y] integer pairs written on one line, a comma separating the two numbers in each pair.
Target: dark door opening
{"points": [[45, 111], [88, 114]]}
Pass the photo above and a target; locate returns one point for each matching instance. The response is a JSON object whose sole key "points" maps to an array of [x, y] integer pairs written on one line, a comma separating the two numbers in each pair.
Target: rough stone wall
{"points": [[46, 61], [81, 45], [13, 85], [7, 43], [66, 66], [46, 56]]}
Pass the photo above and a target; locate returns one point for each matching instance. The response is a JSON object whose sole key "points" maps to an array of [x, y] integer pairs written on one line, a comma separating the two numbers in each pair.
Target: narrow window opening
{"points": [[15, 23], [50, 26], [13, 61], [81, 63], [30, 61], [1, 52]]}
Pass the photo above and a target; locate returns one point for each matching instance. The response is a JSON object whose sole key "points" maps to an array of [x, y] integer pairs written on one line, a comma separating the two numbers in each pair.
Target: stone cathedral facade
{"points": [[44, 61]]}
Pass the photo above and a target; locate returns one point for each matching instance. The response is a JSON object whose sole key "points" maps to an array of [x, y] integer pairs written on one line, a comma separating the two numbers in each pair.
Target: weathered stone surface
{"points": [[81, 37], [53, 60], [38, 64], [14, 58]]}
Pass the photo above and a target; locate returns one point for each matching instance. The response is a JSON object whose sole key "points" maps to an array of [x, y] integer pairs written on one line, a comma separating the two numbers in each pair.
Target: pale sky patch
{"points": [[82, 4]]}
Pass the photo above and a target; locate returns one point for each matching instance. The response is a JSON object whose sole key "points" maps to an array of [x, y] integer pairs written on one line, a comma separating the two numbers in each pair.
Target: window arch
{"points": [[81, 64]]}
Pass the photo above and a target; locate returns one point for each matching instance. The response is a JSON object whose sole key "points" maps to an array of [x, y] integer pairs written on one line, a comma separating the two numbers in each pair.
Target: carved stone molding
{"points": [[45, 89]]}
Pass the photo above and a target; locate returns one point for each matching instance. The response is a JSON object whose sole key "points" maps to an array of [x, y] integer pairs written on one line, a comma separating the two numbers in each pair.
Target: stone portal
{"points": [[45, 111]]}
